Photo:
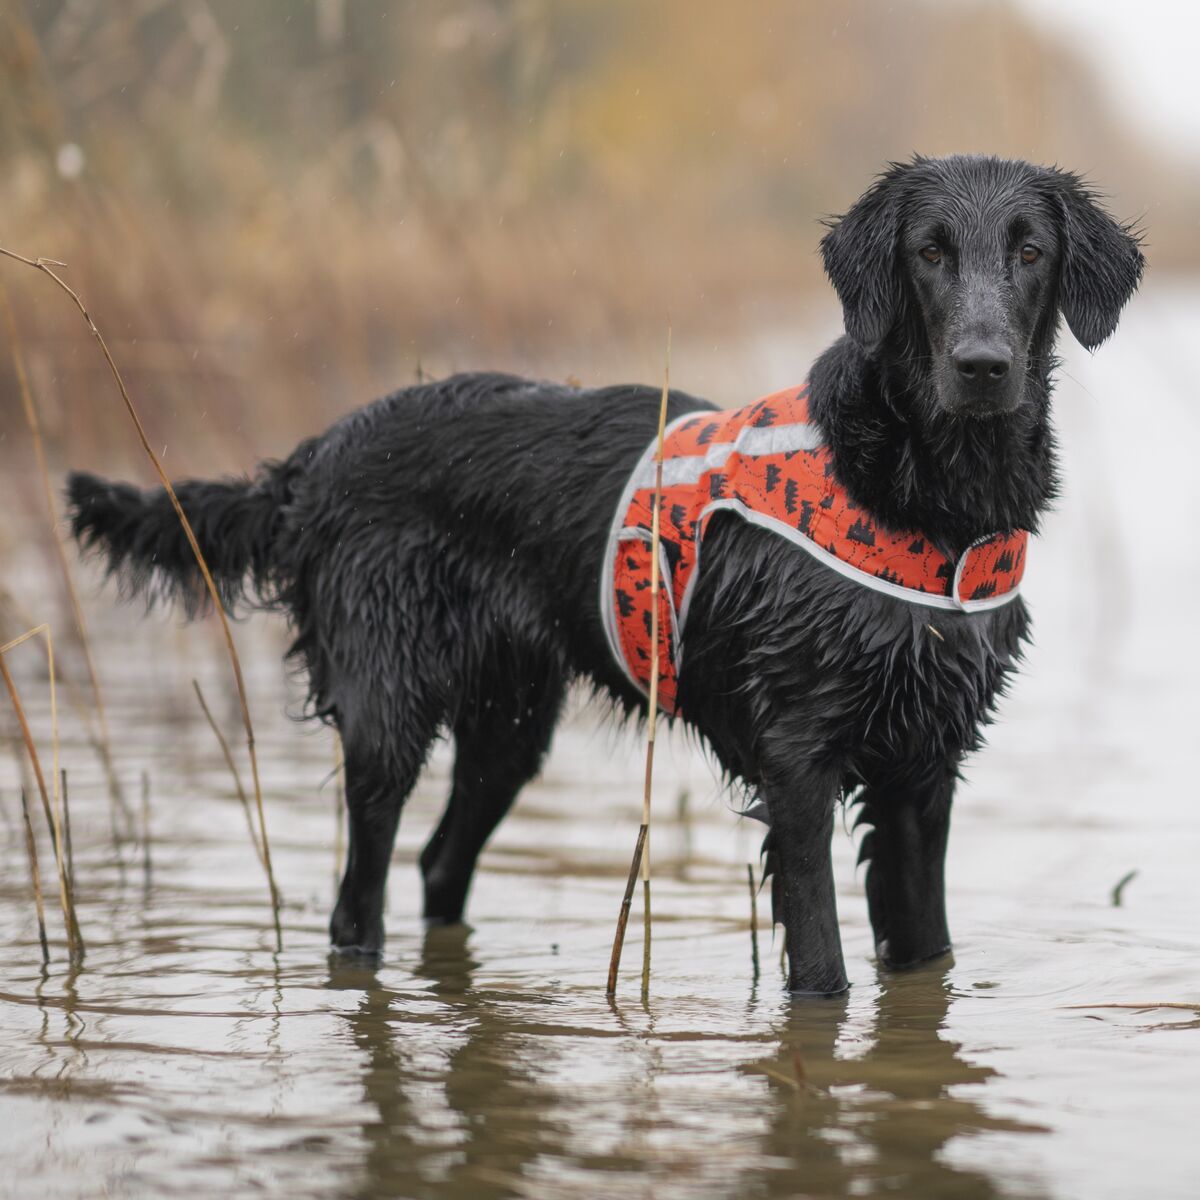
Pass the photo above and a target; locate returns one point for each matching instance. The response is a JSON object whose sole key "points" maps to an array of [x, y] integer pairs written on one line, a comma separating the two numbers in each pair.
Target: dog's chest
{"points": [[918, 689]]}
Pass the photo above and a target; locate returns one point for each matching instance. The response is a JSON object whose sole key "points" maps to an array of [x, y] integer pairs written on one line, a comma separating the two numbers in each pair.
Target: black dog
{"points": [[438, 553]]}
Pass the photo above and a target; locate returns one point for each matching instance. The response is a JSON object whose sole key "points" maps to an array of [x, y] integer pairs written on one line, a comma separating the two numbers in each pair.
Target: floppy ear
{"points": [[1101, 262], [860, 259]]}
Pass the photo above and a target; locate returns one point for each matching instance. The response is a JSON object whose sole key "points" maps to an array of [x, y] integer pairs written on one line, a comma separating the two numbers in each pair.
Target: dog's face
{"points": [[962, 265]]}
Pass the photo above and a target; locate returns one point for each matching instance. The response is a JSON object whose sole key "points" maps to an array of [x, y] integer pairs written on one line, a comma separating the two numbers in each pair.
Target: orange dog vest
{"points": [[769, 464]]}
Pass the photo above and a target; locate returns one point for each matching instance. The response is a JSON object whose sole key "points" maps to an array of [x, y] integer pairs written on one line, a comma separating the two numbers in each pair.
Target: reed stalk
{"points": [[29, 408], [53, 812], [237, 779], [146, 863], [46, 266], [70, 851], [35, 876], [339, 807], [641, 851], [753, 918]]}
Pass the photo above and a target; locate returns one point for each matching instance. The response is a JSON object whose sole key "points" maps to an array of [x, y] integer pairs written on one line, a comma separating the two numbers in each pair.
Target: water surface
{"points": [[190, 1057]]}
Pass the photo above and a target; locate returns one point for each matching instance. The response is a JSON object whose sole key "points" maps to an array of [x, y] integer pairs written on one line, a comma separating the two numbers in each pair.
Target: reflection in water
{"points": [[474, 1110], [876, 1121], [460, 1111]]}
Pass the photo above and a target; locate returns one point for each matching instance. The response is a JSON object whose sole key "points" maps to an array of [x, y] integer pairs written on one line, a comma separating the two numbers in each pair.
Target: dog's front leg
{"points": [[800, 805], [906, 854]]}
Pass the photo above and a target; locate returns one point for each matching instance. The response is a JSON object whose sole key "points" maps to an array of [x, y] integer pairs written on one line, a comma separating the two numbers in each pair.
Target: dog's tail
{"points": [[237, 524]]}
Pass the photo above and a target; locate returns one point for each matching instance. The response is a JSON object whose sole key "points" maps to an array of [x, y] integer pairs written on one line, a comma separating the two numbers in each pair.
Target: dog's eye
{"points": [[1030, 254], [931, 254]]}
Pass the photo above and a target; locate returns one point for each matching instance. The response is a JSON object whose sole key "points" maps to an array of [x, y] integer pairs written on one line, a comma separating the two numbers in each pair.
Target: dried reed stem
{"points": [[66, 816], [35, 875], [339, 807], [641, 852], [614, 963], [53, 812], [237, 779], [146, 864], [753, 917], [103, 743], [46, 265]]}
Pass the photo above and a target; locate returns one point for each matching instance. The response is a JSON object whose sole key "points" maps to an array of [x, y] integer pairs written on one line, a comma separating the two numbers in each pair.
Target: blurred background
{"points": [[278, 210]]}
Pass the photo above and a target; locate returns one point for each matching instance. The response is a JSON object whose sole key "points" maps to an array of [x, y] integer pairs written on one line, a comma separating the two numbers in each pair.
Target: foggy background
{"points": [[278, 210]]}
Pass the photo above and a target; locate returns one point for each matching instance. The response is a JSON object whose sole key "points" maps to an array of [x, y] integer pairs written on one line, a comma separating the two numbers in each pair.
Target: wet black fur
{"points": [[438, 554]]}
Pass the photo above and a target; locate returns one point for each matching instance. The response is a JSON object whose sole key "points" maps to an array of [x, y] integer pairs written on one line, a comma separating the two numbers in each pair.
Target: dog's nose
{"points": [[981, 361]]}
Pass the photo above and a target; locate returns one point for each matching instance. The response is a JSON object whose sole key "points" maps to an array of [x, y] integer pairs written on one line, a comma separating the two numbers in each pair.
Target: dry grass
{"points": [[53, 813], [46, 266], [101, 738]]}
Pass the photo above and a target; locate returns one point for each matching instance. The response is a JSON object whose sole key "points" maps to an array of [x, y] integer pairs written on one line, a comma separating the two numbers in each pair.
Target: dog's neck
{"points": [[913, 467]]}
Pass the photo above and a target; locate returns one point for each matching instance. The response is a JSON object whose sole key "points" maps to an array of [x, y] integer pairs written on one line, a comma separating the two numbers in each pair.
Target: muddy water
{"points": [[189, 1057]]}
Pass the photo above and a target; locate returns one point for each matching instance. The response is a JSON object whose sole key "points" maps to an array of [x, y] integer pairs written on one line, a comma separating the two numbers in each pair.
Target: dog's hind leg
{"points": [[906, 853], [501, 738], [376, 789], [386, 673]]}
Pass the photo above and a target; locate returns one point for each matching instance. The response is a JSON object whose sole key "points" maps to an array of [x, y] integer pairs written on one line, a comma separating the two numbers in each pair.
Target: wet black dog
{"points": [[438, 554]]}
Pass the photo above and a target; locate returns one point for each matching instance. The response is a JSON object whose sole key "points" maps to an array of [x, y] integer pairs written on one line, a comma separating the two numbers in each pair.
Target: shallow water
{"points": [[189, 1057]]}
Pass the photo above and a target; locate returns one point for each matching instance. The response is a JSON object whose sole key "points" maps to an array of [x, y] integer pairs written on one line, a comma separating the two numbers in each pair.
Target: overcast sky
{"points": [[1150, 52]]}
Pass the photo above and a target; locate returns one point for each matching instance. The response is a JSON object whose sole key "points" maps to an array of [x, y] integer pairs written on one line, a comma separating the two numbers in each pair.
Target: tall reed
{"points": [[46, 266], [641, 850], [53, 813], [35, 876], [29, 408], [237, 783]]}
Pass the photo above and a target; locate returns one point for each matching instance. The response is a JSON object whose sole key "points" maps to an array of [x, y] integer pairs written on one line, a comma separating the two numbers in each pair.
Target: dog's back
{"points": [[491, 489]]}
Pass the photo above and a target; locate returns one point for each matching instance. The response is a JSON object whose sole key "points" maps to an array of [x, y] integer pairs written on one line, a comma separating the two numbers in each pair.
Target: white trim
{"points": [[895, 590], [608, 618], [988, 601]]}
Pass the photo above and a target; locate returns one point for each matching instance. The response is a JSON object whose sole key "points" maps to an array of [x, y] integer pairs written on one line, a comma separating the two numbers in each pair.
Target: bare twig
{"points": [[641, 852], [35, 875], [103, 743], [46, 265]]}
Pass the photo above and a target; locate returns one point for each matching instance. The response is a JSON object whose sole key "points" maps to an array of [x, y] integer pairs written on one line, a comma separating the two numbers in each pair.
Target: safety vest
{"points": [[770, 464]]}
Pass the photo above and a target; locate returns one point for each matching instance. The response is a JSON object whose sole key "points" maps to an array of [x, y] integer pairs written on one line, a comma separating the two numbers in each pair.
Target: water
{"points": [[188, 1057]]}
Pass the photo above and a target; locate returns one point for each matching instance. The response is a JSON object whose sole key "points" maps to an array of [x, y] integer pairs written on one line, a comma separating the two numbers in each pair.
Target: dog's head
{"points": [[963, 264]]}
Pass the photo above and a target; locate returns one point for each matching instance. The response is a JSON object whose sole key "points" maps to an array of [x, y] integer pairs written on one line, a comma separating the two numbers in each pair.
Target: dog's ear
{"points": [[1101, 262], [860, 259]]}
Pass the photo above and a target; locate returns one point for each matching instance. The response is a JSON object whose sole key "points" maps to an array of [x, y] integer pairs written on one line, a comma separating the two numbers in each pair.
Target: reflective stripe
{"points": [[688, 468]]}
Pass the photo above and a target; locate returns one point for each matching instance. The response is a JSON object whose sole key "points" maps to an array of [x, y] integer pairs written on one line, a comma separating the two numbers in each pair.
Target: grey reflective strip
{"points": [[777, 439]]}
